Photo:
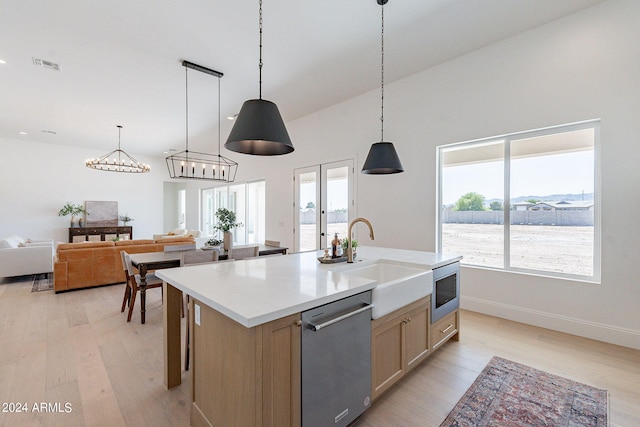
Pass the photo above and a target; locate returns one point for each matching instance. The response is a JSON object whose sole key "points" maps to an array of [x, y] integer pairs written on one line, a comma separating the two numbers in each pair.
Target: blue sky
{"points": [[543, 175]]}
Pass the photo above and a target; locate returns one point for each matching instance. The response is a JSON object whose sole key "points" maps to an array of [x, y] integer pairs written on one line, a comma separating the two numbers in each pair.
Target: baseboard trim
{"points": [[584, 328]]}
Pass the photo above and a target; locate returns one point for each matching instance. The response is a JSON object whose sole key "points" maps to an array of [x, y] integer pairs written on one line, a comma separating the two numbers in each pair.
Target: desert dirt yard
{"points": [[564, 249]]}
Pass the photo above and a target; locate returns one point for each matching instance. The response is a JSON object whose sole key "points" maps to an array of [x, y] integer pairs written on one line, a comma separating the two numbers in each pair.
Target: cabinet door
{"points": [[417, 325], [387, 354], [281, 372]]}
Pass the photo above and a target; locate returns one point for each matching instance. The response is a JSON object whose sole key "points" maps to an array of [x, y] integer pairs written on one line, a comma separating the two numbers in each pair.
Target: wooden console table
{"points": [[82, 233]]}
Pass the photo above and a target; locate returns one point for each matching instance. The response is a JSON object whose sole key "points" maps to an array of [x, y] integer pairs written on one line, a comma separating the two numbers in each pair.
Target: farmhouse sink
{"points": [[397, 284]]}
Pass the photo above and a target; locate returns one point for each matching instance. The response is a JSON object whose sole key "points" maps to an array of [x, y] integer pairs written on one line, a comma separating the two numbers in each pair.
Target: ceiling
{"points": [[120, 60]]}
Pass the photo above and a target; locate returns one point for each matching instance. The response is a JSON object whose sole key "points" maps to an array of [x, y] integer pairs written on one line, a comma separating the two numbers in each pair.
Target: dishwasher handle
{"points": [[319, 326]]}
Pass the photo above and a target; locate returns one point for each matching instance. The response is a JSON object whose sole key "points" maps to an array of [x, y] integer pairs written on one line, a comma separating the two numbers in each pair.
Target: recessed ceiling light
{"points": [[22, 133], [2, 61], [48, 65]]}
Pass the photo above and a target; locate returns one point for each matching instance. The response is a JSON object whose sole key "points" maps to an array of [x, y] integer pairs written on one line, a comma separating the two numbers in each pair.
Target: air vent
{"points": [[45, 64], [49, 132]]}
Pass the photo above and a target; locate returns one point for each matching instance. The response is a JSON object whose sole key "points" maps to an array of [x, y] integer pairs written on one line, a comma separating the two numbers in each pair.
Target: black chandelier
{"points": [[382, 158], [117, 161], [193, 164]]}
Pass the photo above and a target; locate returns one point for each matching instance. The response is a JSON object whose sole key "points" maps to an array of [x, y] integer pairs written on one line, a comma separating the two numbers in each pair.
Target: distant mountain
{"points": [[550, 198]]}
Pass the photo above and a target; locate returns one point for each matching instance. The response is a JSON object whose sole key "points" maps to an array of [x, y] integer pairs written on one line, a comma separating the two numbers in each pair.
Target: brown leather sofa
{"points": [[90, 264]]}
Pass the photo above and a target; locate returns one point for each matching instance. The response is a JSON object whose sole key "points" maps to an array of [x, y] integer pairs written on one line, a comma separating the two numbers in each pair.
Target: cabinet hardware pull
{"points": [[298, 323], [446, 329]]}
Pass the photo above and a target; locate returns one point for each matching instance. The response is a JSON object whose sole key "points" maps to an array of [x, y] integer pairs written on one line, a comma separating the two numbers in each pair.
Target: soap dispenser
{"points": [[335, 244]]}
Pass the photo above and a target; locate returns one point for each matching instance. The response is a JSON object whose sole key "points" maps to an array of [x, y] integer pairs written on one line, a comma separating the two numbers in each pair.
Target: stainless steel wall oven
{"points": [[446, 291]]}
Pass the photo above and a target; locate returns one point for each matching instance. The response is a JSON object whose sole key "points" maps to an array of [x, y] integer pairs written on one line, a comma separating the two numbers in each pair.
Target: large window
{"points": [[523, 202], [246, 200]]}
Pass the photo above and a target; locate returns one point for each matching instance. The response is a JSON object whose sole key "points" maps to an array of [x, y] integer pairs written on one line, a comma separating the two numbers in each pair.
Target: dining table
{"points": [[149, 261]]}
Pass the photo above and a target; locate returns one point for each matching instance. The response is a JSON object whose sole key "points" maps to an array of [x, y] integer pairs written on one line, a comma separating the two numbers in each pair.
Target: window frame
{"points": [[230, 202], [508, 138]]}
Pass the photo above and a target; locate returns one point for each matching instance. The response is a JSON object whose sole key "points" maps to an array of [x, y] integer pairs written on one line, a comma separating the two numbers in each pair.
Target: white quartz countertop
{"points": [[259, 290]]}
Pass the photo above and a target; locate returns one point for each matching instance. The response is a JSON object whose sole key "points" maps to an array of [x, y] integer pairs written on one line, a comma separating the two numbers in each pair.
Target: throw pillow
{"points": [[4, 244], [14, 241]]}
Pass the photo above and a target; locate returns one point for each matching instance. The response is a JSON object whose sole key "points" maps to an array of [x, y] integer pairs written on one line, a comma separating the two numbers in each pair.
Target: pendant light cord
{"points": [[382, 77], [119, 150], [186, 109], [260, 63], [218, 118]]}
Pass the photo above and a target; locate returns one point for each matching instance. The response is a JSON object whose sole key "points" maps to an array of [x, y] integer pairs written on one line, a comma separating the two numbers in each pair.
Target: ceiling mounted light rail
{"points": [[195, 165], [259, 129], [382, 158], [118, 161]]}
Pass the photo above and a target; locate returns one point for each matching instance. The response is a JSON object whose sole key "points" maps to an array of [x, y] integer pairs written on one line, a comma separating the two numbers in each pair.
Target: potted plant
{"points": [[345, 245], [73, 210], [213, 243], [125, 219], [226, 222]]}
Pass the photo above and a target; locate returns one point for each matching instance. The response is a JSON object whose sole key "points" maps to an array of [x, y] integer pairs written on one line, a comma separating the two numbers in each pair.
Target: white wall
{"points": [[37, 179], [581, 67]]}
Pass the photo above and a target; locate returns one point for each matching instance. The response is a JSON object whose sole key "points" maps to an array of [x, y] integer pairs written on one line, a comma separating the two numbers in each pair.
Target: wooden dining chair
{"points": [[178, 248], [133, 281], [242, 252], [198, 256]]}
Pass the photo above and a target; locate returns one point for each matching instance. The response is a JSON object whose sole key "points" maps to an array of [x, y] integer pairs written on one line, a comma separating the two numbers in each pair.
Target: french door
{"points": [[323, 204]]}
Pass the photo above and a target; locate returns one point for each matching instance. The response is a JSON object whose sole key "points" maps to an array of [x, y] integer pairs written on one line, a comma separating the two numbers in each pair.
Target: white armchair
{"points": [[19, 257]]}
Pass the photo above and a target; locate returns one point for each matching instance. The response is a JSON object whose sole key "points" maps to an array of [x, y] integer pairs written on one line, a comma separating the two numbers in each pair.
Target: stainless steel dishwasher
{"points": [[336, 361]]}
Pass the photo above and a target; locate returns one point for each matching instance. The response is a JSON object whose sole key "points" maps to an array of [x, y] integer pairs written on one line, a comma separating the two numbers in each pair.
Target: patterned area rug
{"points": [[508, 394], [42, 282]]}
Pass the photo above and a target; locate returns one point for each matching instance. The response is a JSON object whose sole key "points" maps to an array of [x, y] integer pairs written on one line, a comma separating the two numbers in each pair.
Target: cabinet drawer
{"points": [[444, 329]]}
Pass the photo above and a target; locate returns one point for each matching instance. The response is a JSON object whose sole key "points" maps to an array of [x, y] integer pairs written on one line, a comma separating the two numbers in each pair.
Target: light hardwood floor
{"points": [[77, 348]]}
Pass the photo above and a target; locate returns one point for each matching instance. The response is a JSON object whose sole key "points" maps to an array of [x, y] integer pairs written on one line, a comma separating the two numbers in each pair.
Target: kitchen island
{"points": [[246, 328]]}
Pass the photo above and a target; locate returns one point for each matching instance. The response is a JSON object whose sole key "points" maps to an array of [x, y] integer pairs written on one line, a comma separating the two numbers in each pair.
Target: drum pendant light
{"points": [[382, 158], [259, 129]]}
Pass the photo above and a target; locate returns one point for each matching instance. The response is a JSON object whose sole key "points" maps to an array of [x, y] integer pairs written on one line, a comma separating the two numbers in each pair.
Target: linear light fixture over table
{"points": [[259, 129], [121, 162], [382, 158], [195, 165]]}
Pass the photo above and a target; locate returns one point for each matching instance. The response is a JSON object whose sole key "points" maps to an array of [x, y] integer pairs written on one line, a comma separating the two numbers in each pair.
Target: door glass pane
{"points": [[182, 209], [337, 201], [208, 212], [237, 203], [221, 195], [552, 195], [307, 201], [472, 214], [255, 217]]}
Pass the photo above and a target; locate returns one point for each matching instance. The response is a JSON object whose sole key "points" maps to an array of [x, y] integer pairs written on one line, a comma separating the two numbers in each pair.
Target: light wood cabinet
{"points": [[399, 341], [244, 376], [445, 329]]}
